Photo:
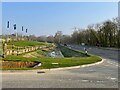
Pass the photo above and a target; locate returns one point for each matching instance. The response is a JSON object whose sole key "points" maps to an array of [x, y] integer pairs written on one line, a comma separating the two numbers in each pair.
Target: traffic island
{"points": [[71, 58]]}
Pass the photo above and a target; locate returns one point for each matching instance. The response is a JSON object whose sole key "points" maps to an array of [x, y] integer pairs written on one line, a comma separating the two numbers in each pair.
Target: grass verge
{"points": [[47, 63], [67, 52], [62, 62]]}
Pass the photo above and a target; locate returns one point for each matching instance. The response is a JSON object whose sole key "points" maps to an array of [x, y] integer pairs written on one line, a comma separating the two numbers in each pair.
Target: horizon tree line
{"points": [[105, 34]]}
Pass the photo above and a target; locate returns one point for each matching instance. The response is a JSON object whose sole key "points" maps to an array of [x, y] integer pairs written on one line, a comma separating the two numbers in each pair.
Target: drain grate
{"points": [[40, 72]]}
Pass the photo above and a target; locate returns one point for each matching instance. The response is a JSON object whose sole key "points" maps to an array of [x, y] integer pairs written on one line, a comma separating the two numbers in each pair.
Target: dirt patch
{"points": [[29, 55], [17, 64]]}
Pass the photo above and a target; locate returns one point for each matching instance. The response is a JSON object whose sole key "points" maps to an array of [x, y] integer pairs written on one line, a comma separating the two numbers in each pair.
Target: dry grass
{"points": [[32, 54], [17, 64]]}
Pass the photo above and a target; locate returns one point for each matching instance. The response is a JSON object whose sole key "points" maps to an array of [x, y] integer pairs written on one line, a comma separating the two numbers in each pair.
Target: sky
{"points": [[46, 18]]}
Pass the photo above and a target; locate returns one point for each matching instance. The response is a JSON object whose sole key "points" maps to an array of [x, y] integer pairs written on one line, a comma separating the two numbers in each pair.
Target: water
{"points": [[55, 54]]}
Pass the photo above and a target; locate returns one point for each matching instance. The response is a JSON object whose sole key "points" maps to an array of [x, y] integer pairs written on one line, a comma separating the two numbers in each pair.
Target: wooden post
{"points": [[12, 49], [17, 51], [3, 49]]}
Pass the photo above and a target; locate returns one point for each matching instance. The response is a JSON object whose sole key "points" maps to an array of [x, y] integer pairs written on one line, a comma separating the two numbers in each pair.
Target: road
{"points": [[105, 53], [104, 75]]}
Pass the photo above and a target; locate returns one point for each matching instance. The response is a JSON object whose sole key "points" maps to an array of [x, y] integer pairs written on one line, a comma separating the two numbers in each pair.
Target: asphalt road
{"points": [[104, 75], [111, 54]]}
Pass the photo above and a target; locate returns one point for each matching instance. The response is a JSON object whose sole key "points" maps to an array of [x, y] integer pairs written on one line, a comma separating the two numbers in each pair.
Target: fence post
{"points": [[3, 49], [17, 51], [12, 49]]}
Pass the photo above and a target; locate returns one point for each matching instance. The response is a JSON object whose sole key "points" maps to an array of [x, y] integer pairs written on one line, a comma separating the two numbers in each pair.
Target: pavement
{"points": [[103, 75]]}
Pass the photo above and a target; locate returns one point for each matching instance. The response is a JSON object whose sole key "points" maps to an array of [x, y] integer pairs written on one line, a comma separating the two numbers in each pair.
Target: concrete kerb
{"points": [[54, 69], [75, 67]]}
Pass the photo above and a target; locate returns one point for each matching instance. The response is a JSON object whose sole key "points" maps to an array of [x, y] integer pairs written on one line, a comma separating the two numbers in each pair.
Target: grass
{"points": [[62, 62], [67, 62], [71, 53], [43, 53], [72, 57], [26, 43], [22, 44], [19, 58]]}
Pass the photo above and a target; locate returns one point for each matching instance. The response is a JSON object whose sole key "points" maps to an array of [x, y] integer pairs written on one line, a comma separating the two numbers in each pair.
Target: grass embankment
{"points": [[62, 62], [67, 52], [25, 43], [72, 58], [28, 59]]}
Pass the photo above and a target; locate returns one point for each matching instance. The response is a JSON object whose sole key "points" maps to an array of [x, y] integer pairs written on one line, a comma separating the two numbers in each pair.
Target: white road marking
{"points": [[111, 78], [85, 80]]}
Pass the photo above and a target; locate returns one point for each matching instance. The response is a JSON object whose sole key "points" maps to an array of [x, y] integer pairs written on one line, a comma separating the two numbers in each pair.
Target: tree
{"points": [[58, 37], [106, 34], [50, 39]]}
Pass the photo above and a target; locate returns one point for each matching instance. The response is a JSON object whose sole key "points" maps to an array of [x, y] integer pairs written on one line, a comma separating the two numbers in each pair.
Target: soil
{"points": [[17, 64]]}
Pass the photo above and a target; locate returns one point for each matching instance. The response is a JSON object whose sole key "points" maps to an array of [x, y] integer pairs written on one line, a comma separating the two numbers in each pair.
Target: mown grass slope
{"points": [[47, 62], [25, 43], [67, 52]]}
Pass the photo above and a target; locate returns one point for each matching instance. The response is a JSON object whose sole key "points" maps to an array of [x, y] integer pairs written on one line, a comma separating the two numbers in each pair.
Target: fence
{"points": [[20, 50]]}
